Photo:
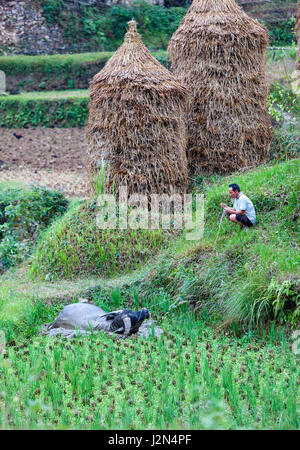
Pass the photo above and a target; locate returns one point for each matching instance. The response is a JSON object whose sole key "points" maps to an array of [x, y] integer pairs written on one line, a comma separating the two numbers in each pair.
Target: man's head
{"points": [[234, 190]]}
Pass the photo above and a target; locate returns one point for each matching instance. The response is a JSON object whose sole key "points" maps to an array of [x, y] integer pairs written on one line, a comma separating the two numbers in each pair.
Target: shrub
{"points": [[283, 32], [104, 28], [19, 111], [23, 214], [284, 99], [285, 144]]}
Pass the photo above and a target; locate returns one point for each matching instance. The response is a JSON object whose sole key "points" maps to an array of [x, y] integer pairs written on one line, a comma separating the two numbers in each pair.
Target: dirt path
{"points": [[51, 157]]}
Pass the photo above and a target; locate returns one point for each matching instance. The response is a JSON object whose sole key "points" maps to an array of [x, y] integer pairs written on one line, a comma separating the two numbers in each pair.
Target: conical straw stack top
{"points": [[217, 5], [132, 48], [133, 62], [219, 16], [132, 34]]}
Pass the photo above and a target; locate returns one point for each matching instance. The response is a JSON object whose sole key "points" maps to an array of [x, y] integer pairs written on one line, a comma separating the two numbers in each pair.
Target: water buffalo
{"points": [[83, 318]]}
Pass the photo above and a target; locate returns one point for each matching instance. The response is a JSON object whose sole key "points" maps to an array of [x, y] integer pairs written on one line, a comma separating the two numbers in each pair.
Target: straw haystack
{"points": [[136, 122], [218, 51]]}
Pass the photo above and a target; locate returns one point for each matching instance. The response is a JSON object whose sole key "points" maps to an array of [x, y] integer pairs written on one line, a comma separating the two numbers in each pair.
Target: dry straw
{"points": [[218, 51], [136, 122]]}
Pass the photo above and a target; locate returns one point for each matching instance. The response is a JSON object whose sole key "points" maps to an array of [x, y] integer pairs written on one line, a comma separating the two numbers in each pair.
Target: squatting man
{"points": [[243, 211]]}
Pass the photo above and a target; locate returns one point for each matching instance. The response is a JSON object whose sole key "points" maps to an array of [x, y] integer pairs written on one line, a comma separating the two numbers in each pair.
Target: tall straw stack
{"points": [[136, 122], [218, 51]]}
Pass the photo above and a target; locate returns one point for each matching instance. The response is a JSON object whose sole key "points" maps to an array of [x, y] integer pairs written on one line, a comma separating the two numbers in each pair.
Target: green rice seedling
{"points": [[100, 180], [60, 246], [116, 298], [231, 394]]}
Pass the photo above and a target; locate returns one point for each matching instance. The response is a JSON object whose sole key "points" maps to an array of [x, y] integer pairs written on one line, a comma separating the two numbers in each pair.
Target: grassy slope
{"points": [[235, 277], [195, 376], [52, 63], [23, 62], [76, 246], [242, 278]]}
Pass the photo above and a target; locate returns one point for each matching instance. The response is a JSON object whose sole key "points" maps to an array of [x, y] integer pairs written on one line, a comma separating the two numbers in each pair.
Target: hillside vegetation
{"points": [[103, 27], [224, 360], [247, 277], [75, 246]]}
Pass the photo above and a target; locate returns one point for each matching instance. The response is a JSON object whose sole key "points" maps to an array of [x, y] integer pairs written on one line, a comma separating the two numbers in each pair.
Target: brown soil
{"points": [[52, 157]]}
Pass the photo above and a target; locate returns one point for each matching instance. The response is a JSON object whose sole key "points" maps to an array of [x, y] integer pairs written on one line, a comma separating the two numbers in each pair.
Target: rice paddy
{"points": [[188, 378]]}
